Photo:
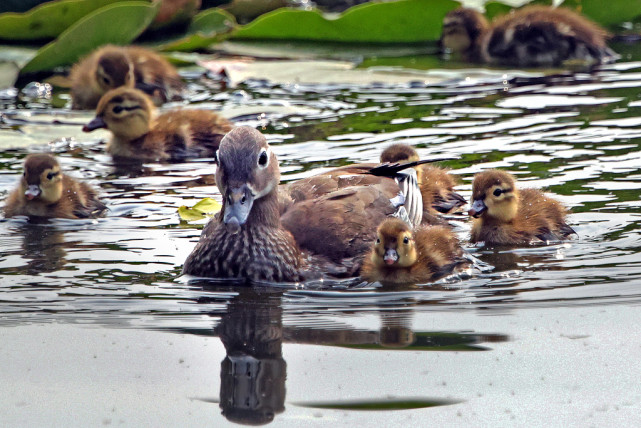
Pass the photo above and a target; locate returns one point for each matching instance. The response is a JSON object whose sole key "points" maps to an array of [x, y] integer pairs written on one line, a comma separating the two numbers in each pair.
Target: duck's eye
{"points": [[262, 159], [497, 192], [406, 240], [106, 80], [378, 241], [51, 175], [117, 109]]}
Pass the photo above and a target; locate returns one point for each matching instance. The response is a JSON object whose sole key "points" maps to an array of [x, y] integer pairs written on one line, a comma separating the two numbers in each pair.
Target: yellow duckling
{"points": [[138, 135], [437, 186], [534, 36], [504, 215], [110, 67], [400, 256], [45, 191]]}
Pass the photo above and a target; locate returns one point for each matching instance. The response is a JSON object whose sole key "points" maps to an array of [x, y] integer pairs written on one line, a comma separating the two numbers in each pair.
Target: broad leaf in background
{"points": [[402, 21], [210, 26], [48, 20], [119, 23], [203, 209], [610, 12]]}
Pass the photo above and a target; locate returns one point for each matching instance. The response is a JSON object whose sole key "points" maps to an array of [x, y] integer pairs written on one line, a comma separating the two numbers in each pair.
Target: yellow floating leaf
{"points": [[208, 206]]}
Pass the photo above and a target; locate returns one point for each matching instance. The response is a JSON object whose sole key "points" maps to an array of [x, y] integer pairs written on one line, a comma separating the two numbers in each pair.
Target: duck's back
{"points": [[543, 36]]}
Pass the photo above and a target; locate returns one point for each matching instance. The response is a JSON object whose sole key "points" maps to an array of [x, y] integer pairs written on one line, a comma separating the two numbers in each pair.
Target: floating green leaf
{"points": [[118, 23], [210, 26], [203, 209], [48, 20], [379, 404], [616, 11], [402, 21]]}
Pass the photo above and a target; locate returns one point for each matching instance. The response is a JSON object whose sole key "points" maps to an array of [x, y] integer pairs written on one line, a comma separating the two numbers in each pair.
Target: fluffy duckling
{"points": [[437, 186], [110, 67], [504, 215], [534, 36], [137, 134], [247, 240], [402, 256], [45, 191]]}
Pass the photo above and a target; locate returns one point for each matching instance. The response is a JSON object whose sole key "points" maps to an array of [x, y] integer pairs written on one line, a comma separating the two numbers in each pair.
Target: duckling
{"points": [[247, 239], [45, 191], [110, 67], [505, 215], [437, 186], [534, 36], [325, 226], [138, 135], [402, 256]]}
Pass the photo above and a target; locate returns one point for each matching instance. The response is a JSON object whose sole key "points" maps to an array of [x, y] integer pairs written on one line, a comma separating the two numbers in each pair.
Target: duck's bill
{"points": [[238, 204], [33, 191], [96, 123], [478, 207], [391, 257]]}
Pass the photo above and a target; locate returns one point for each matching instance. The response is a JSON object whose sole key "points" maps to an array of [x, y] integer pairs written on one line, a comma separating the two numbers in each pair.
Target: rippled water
{"points": [[576, 135]]}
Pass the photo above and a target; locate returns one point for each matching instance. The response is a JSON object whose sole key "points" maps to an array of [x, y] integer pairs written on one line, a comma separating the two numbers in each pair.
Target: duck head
{"points": [[399, 153], [114, 69], [42, 179], [461, 29], [494, 194], [126, 112], [394, 245], [247, 171]]}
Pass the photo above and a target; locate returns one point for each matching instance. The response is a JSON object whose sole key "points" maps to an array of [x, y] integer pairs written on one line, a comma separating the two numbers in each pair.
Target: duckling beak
{"points": [[391, 256], [96, 122], [478, 207], [33, 191], [238, 204]]}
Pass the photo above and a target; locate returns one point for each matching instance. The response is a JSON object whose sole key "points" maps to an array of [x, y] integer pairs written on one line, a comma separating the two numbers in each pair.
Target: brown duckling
{"points": [[45, 191], [505, 215], [402, 256], [247, 239], [437, 186], [533, 36], [138, 135], [110, 67]]}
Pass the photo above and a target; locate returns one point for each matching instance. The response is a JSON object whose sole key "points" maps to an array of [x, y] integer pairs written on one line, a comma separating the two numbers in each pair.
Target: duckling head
{"points": [[247, 171], [494, 194], [399, 153], [394, 246], [126, 112], [42, 179], [461, 28], [114, 69]]}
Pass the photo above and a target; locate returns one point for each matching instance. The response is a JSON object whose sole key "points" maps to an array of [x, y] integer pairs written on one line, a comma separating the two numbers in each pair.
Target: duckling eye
{"points": [[106, 80], [406, 240], [378, 241], [497, 192], [117, 109], [51, 175], [262, 159]]}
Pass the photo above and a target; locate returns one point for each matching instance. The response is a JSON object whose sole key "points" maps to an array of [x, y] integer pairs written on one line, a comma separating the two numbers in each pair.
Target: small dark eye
{"points": [[51, 175], [378, 241], [117, 109], [497, 192], [262, 159], [106, 80], [406, 240]]}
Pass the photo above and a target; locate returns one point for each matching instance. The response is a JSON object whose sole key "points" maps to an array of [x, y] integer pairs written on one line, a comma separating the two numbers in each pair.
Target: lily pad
{"points": [[94, 30], [47, 20], [208, 27], [402, 21], [203, 209]]}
